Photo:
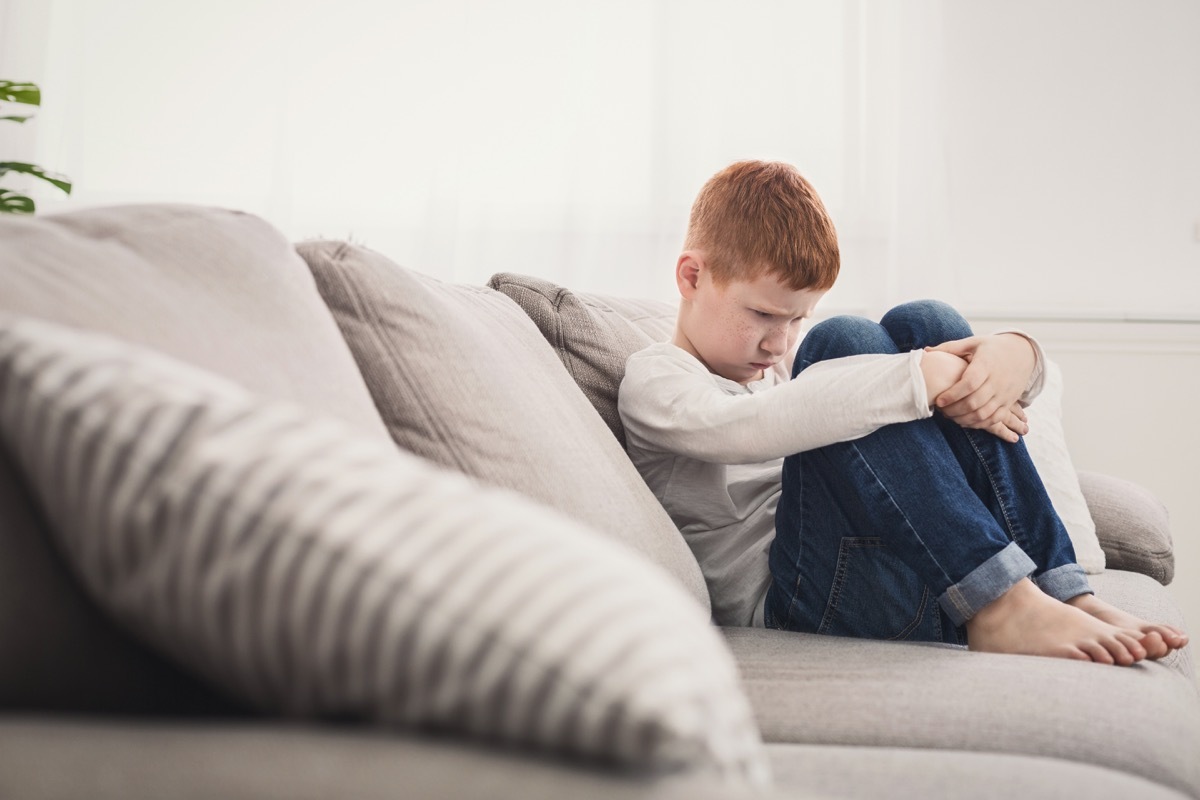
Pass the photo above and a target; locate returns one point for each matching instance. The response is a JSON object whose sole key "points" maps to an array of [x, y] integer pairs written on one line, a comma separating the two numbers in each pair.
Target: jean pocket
{"points": [[875, 595]]}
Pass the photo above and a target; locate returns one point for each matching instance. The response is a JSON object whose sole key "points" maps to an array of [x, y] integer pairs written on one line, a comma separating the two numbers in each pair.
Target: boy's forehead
{"points": [[773, 296]]}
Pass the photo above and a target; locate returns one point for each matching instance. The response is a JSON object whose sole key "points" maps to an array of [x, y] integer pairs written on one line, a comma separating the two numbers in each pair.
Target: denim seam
{"points": [[858, 454], [1001, 500], [791, 607], [925, 595], [839, 576]]}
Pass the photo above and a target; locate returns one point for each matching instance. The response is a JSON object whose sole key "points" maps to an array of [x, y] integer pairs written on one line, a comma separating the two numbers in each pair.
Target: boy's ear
{"points": [[687, 272]]}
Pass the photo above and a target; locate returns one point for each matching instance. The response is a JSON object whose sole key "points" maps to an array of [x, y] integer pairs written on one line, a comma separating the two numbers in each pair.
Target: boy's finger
{"points": [[958, 347], [972, 380]]}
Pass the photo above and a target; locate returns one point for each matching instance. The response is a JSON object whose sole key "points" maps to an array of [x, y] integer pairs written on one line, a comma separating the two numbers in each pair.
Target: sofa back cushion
{"points": [[216, 288], [463, 378], [592, 334]]}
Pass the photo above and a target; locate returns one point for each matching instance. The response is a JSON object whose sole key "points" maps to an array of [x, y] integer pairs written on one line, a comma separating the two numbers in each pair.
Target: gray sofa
{"points": [[89, 709]]}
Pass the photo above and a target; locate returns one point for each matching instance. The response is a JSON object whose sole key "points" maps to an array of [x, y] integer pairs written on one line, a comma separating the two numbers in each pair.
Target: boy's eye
{"points": [[762, 314]]}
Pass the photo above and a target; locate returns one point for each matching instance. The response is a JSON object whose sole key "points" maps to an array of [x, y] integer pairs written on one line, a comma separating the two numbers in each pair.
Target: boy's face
{"points": [[741, 329]]}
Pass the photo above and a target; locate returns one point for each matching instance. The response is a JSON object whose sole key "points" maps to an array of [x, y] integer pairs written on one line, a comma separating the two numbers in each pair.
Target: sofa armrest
{"points": [[1131, 524]]}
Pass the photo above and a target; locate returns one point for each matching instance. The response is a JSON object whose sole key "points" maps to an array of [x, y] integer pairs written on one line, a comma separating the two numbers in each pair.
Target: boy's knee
{"points": [[923, 323], [838, 337]]}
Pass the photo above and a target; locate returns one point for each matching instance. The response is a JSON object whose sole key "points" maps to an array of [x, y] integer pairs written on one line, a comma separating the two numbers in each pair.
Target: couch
{"points": [[95, 704]]}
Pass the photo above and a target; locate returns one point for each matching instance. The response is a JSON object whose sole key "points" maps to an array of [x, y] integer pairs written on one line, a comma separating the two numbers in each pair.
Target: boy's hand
{"points": [[998, 370]]}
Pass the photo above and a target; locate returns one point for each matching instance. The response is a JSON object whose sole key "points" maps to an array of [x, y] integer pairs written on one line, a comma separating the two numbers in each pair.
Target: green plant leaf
{"points": [[17, 92], [17, 119], [13, 203], [60, 181]]}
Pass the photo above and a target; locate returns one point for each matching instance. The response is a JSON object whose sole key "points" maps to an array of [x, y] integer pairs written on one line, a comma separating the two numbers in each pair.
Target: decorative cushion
{"points": [[594, 335], [591, 336], [314, 571], [212, 287], [463, 378], [1047, 446], [1133, 526]]}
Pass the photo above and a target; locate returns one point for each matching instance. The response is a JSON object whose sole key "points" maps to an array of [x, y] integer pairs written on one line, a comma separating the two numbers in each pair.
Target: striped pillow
{"points": [[313, 572]]}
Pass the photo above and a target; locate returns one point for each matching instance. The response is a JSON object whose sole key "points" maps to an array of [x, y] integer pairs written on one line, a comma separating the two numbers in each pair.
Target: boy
{"points": [[826, 495]]}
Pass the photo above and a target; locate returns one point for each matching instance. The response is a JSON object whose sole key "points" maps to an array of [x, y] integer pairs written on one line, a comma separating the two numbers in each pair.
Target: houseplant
{"points": [[14, 202]]}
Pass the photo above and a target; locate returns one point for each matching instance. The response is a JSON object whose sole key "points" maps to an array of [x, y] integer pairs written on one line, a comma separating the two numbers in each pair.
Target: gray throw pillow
{"points": [[462, 377], [593, 335], [314, 571]]}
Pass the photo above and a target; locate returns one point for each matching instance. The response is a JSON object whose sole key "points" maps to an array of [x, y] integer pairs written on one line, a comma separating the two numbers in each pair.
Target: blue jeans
{"points": [[908, 532]]}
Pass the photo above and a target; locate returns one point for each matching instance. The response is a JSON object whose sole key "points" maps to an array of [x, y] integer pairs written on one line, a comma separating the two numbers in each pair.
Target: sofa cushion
{"points": [[66, 758], [1047, 444], [462, 377], [1132, 525], [117, 760], [594, 335], [868, 773], [314, 571], [810, 689], [217, 288]]}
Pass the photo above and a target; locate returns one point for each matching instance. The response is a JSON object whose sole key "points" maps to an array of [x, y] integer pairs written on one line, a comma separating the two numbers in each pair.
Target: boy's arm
{"points": [[672, 405], [1004, 373]]}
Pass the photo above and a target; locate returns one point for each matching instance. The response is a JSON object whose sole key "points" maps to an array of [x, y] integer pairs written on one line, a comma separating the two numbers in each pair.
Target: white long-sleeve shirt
{"points": [[712, 449]]}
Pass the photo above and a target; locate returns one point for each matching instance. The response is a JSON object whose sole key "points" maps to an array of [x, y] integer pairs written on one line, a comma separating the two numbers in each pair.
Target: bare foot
{"points": [[1027, 621], [1158, 639]]}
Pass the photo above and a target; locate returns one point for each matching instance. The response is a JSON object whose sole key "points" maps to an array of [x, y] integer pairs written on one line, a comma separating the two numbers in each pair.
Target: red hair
{"points": [[758, 217]]}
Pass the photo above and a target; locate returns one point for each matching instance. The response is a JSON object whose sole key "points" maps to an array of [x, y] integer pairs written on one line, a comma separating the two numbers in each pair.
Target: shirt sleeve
{"points": [[1037, 379], [668, 404]]}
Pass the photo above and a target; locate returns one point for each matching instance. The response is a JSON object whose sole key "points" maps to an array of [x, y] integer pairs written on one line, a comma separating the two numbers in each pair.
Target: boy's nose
{"points": [[776, 343]]}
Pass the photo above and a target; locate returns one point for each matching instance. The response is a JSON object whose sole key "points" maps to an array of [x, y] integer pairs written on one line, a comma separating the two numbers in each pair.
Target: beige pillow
{"points": [[218, 288], [1047, 445], [462, 377], [315, 572]]}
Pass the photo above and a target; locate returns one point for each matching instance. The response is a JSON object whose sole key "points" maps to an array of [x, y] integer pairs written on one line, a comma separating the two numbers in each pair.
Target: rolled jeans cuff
{"points": [[1063, 583], [986, 583]]}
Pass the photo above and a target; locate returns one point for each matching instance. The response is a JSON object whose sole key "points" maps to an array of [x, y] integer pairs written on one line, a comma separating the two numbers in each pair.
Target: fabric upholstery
{"points": [[217, 288], [592, 335], [462, 377], [910, 773], [67, 759], [1132, 526], [313, 571], [809, 689]]}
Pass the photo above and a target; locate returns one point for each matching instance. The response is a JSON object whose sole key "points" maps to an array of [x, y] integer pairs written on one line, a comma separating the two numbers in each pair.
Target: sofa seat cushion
{"points": [[216, 288], [901, 773], [809, 689], [463, 378], [64, 758], [314, 572]]}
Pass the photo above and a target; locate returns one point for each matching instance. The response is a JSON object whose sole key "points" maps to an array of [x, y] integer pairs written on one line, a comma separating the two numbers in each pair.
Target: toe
{"points": [[1155, 645], [1097, 652], [1136, 649]]}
